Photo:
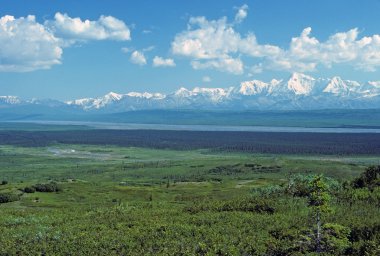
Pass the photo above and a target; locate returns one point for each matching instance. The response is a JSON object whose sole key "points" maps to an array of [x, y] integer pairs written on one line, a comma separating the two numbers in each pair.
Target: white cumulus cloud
{"points": [[105, 28], [161, 62], [138, 58], [218, 45], [231, 65], [26, 45], [241, 13], [306, 53]]}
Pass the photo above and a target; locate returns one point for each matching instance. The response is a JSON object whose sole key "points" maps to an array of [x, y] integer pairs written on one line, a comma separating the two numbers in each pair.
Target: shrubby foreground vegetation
{"points": [[309, 214], [91, 200]]}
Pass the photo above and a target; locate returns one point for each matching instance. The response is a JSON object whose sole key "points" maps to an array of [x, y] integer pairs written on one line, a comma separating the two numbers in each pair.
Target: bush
{"points": [[29, 189], [237, 205], [268, 191], [7, 198], [299, 185], [289, 241], [49, 187], [4, 182], [370, 178], [335, 238]]}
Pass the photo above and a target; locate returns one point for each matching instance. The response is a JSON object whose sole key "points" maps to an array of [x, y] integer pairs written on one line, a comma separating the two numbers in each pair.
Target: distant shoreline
{"points": [[191, 127]]}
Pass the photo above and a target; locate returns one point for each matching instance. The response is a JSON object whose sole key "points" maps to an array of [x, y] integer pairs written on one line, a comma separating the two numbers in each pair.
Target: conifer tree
{"points": [[318, 202]]}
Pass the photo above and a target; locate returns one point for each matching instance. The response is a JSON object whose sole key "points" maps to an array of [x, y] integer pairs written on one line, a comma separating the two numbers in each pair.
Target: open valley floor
{"points": [[94, 198]]}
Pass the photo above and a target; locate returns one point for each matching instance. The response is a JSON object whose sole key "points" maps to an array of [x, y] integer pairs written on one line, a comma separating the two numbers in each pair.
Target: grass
{"points": [[135, 174], [118, 164], [133, 201]]}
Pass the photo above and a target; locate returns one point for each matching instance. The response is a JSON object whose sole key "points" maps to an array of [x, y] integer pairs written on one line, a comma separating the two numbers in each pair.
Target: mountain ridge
{"points": [[299, 92]]}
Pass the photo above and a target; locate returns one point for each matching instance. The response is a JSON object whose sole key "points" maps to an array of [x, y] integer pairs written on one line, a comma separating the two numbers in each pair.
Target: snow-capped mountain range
{"points": [[300, 91]]}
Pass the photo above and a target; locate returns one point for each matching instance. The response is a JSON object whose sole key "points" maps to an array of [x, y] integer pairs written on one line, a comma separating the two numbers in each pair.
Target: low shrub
{"points": [[49, 187], [29, 189], [241, 205], [370, 178], [8, 197]]}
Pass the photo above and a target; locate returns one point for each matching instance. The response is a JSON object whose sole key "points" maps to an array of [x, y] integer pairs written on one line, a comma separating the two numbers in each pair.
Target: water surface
{"points": [[178, 127]]}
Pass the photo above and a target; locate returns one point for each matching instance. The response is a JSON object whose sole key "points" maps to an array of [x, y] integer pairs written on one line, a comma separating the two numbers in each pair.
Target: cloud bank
{"points": [[27, 45], [216, 44], [105, 28]]}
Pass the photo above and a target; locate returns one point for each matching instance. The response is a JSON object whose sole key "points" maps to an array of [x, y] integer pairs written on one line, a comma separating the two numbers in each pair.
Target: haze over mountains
{"points": [[299, 92]]}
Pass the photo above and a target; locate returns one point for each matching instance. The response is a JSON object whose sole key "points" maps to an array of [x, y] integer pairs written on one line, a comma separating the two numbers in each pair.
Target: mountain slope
{"points": [[299, 92]]}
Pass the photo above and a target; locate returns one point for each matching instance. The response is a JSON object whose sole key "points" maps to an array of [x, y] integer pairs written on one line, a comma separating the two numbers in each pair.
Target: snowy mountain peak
{"points": [[341, 87], [298, 92], [275, 82], [10, 100], [370, 89], [183, 92], [146, 95], [301, 76], [213, 94], [300, 84], [80, 102], [113, 96], [211, 91], [375, 84], [253, 87]]}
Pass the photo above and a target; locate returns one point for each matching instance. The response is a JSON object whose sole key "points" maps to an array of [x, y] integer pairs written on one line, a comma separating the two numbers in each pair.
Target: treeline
{"points": [[253, 142]]}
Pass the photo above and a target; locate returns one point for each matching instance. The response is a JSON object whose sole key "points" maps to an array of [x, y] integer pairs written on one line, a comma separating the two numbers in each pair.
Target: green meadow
{"points": [[139, 201]]}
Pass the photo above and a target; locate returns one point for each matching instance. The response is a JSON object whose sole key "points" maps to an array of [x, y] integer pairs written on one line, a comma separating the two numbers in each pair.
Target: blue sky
{"points": [[159, 46]]}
